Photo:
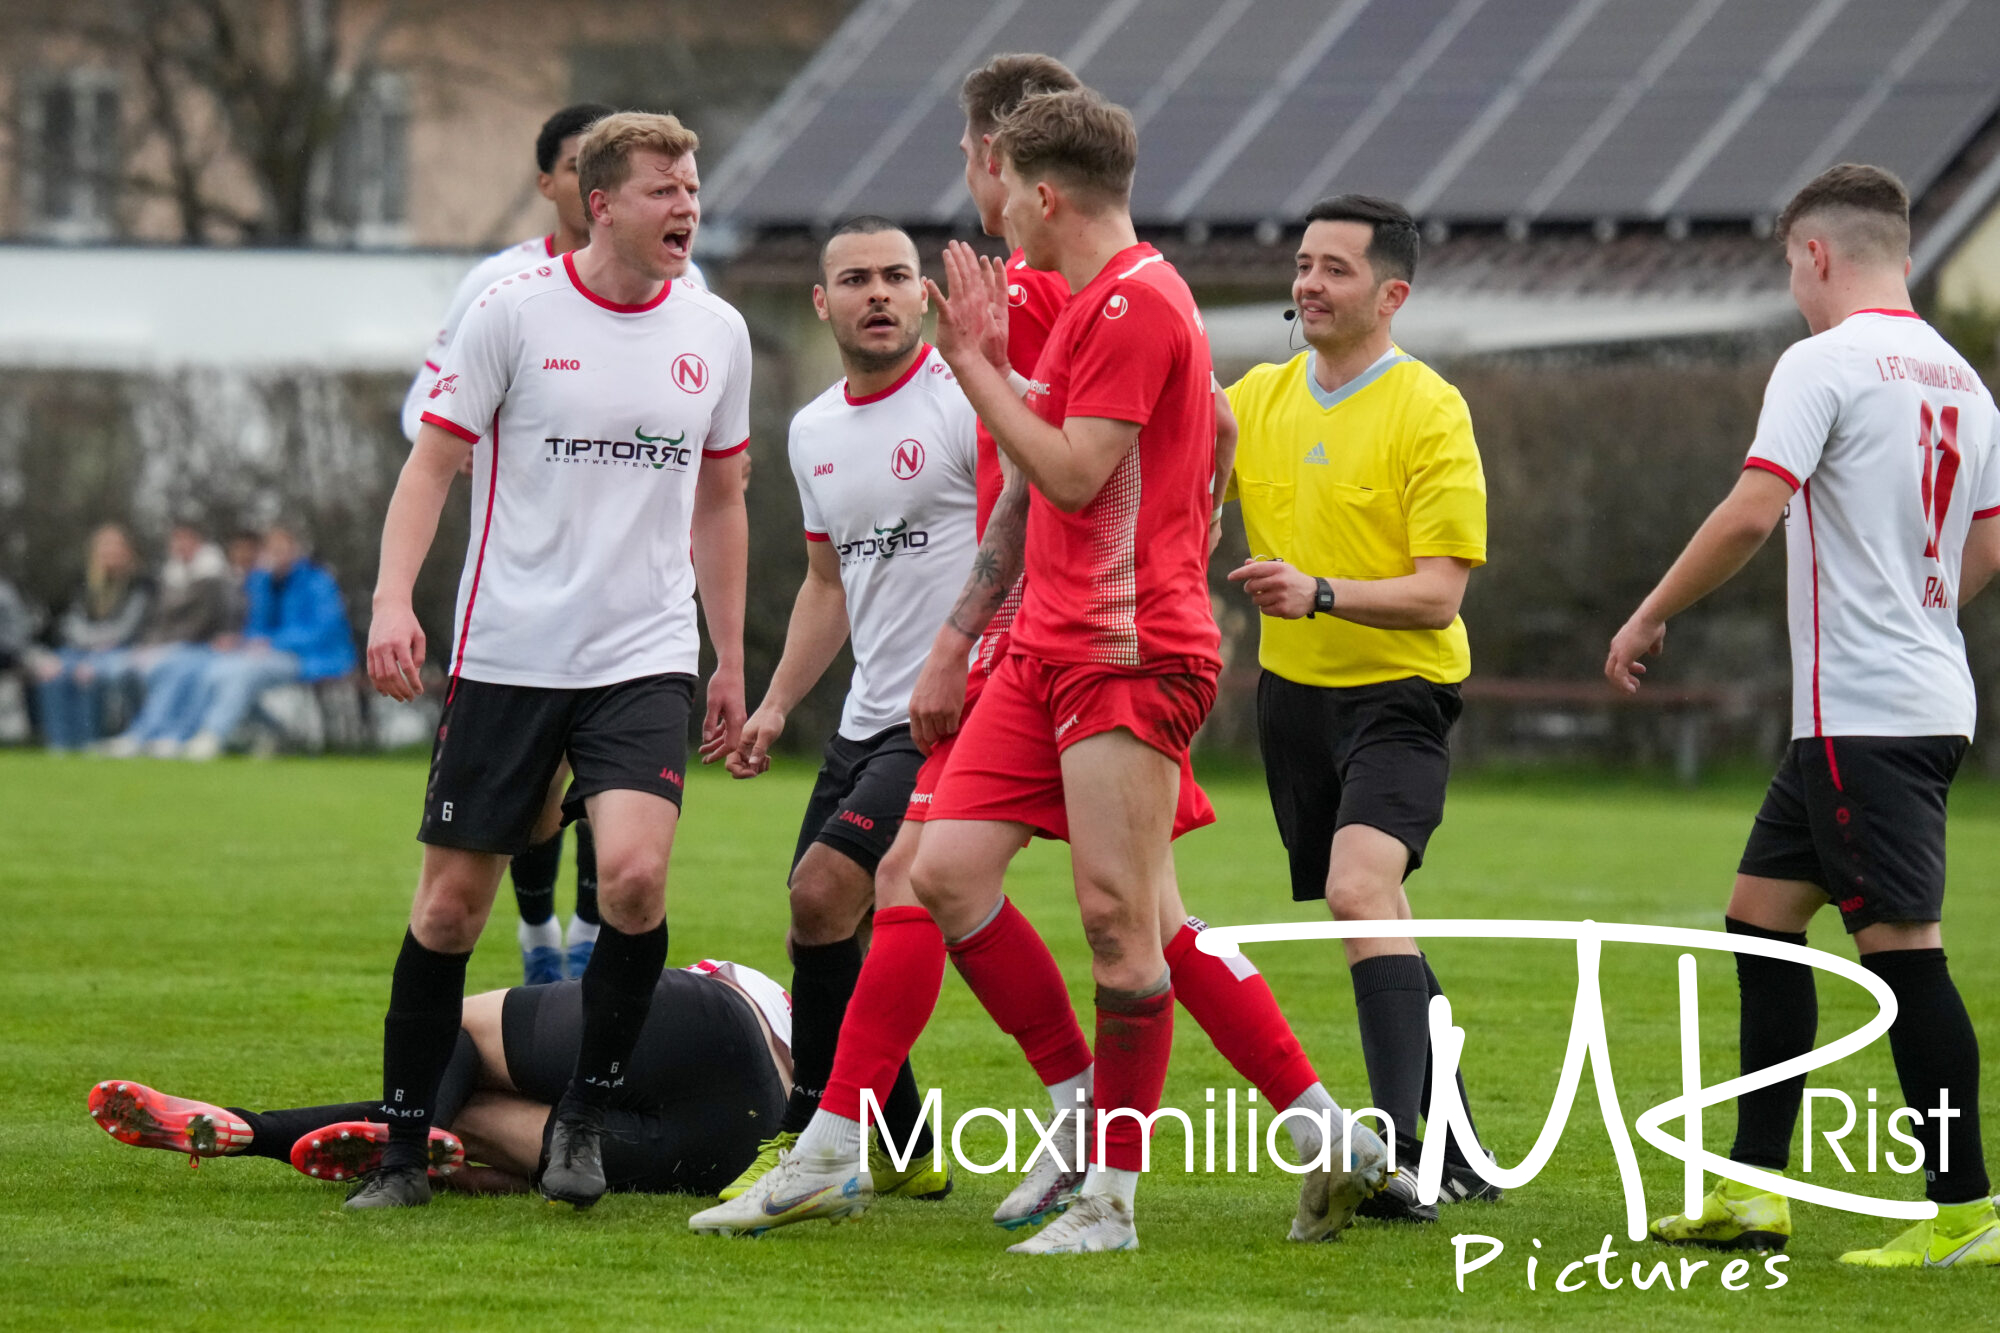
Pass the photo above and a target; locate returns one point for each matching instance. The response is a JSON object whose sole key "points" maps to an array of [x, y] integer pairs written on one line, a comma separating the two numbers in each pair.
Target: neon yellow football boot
{"points": [[768, 1153], [1733, 1217], [1962, 1235], [920, 1181]]}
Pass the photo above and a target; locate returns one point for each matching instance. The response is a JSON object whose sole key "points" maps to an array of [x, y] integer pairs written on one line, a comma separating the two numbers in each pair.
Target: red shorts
{"points": [[1006, 759], [925, 790]]}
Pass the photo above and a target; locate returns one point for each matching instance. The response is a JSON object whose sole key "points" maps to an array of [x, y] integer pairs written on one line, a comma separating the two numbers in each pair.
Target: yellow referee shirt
{"points": [[1356, 484]]}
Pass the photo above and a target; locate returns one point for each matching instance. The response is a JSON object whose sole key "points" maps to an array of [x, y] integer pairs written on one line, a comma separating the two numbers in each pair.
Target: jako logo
{"points": [[449, 384], [559, 363], [908, 460], [673, 777], [690, 373], [1116, 307], [823, 469], [858, 820]]}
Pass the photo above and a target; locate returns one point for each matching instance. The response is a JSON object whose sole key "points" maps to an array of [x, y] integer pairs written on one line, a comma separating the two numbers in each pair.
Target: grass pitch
{"points": [[226, 931]]}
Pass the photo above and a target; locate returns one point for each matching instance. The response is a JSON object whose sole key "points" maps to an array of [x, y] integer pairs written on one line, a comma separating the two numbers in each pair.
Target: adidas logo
{"points": [[1317, 454]]}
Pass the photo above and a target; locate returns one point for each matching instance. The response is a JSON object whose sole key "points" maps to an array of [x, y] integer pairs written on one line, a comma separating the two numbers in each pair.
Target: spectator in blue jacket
{"points": [[296, 631]]}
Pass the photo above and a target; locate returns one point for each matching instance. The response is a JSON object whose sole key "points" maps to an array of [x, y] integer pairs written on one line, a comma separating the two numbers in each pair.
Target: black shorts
{"points": [[1862, 817], [1365, 754], [498, 747], [701, 1090], [861, 795]]}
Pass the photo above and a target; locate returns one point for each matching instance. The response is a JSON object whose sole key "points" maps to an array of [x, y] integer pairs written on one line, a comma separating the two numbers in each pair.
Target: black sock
{"points": [[272, 1133], [1937, 1053], [1391, 999], [459, 1082], [534, 874], [823, 978], [425, 998], [617, 995], [1452, 1152], [586, 875], [1779, 1021], [904, 1112]]}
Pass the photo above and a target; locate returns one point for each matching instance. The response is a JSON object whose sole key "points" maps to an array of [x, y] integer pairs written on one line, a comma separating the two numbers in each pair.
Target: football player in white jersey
{"points": [[607, 407], [1877, 446], [547, 952], [886, 463]]}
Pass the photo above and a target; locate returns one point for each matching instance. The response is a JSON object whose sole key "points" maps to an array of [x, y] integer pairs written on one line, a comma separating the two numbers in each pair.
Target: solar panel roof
{"points": [[1467, 110]]}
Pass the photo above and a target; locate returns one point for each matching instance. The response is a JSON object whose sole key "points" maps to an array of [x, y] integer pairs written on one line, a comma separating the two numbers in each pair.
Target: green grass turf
{"points": [[226, 931]]}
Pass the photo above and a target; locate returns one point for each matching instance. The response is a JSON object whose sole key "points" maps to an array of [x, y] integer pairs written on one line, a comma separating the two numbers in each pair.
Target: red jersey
{"points": [[1129, 347], [1034, 298]]}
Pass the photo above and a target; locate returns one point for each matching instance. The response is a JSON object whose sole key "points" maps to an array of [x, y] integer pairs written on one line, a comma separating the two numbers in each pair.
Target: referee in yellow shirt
{"points": [[1365, 507]]}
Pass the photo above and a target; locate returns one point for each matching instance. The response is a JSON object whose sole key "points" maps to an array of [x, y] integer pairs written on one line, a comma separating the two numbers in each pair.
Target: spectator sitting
{"points": [[196, 615], [296, 630], [105, 618]]}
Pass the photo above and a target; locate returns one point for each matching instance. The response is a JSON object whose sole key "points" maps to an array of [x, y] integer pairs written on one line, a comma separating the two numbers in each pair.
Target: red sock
{"points": [[898, 989], [1010, 969], [1134, 1039], [1235, 1007]]}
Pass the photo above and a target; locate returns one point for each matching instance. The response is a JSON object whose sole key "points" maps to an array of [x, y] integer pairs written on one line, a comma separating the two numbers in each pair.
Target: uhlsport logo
{"points": [[1116, 307], [908, 459], [648, 451], [690, 373], [887, 542], [1017, 295]]}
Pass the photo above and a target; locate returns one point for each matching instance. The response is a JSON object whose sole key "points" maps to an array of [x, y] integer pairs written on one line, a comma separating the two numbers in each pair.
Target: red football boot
{"points": [[134, 1113], [353, 1148]]}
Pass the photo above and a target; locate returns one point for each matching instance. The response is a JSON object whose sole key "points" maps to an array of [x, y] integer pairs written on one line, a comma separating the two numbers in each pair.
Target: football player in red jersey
{"points": [[899, 983]]}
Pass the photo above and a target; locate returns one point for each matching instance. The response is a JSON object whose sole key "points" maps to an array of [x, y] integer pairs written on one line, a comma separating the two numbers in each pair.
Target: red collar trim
{"points": [[549, 245], [1899, 314], [880, 394], [569, 267]]}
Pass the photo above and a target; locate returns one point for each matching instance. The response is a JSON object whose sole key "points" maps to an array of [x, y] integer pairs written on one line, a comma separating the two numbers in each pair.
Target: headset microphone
{"points": [[1291, 315]]}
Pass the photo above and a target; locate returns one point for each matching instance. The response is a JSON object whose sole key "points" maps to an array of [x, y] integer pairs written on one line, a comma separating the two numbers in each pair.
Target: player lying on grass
{"points": [[1876, 446], [709, 1074]]}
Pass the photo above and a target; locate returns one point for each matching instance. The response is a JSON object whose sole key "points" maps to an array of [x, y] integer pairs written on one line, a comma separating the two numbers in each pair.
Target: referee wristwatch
{"points": [[1322, 598]]}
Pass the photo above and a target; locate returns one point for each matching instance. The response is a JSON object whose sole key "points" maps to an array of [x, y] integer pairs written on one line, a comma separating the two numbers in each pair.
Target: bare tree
{"points": [[228, 91]]}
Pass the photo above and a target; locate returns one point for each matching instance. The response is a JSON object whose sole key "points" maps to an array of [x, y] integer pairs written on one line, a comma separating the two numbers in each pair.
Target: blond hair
{"points": [[604, 158]]}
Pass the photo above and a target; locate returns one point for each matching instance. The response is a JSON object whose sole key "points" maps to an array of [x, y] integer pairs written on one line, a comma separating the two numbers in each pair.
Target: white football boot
{"points": [[1047, 1188], [799, 1188], [1093, 1223]]}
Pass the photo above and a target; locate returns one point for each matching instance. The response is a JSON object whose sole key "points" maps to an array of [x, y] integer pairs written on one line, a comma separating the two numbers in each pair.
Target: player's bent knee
{"points": [[1360, 898]]}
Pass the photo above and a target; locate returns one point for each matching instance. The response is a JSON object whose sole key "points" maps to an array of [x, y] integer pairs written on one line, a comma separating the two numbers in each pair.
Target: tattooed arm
{"points": [[939, 696]]}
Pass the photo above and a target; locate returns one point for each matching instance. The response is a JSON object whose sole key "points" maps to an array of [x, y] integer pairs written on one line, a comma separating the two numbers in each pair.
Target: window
{"points": [[70, 154], [365, 196]]}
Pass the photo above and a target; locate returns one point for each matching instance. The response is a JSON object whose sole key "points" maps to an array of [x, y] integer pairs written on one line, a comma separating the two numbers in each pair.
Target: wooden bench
{"points": [[1585, 710]]}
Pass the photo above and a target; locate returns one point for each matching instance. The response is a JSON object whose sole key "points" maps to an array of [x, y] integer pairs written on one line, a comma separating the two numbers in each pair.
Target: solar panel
{"points": [[1469, 109]]}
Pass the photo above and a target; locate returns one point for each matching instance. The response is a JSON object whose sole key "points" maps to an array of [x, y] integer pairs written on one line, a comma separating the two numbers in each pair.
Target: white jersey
{"points": [[889, 479], [488, 272], [590, 421], [1889, 438]]}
